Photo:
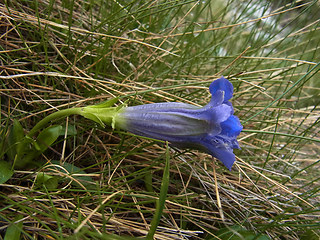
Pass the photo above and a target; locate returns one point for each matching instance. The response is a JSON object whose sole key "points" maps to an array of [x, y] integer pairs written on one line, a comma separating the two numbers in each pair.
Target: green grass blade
{"points": [[160, 203], [14, 230]]}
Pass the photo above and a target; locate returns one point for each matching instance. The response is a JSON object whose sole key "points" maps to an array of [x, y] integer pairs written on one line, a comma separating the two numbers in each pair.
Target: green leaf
{"points": [[14, 139], [148, 181], [83, 179], [47, 137], [309, 235], [50, 182], [106, 104], [71, 130], [14, 230], [98, 236], [239, 233], [5, 171], [30, 149], [26, 153]]}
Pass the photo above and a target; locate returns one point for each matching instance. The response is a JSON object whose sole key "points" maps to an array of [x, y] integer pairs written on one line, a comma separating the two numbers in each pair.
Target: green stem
{"points": [[52, 117], [98, 113]]}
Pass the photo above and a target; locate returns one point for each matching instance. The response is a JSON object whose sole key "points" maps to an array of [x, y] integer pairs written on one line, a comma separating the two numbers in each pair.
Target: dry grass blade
{"points": [[95, 210]]}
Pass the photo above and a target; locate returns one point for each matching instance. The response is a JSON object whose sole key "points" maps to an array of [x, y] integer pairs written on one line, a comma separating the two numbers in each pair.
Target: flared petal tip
{"points": [[225, 155], [231, 127], [222, 84], [229, 161]]}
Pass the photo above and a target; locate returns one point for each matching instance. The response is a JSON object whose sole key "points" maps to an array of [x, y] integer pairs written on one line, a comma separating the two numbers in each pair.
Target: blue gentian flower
{"points": [[212, 128]]}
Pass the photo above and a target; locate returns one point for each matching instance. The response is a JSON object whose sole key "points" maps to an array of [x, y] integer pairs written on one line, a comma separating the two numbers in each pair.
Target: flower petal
{"points": [[224, 154], [231, 127], [216, 99], [164, 107], [174, 119], [212, 128], [163, 123], [222, 84]]}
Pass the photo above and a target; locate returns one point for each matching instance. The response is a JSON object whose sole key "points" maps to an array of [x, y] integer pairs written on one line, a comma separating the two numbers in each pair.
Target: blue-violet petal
{"points": [[212, 128]]}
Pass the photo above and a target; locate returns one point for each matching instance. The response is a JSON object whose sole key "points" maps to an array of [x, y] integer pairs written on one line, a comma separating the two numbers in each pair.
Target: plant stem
{"points": [[100, 114], [52, 117]]}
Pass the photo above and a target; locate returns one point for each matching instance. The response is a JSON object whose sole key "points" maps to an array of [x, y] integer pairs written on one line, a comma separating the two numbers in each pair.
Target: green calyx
{"points": [[102, 113], [103, 116]]}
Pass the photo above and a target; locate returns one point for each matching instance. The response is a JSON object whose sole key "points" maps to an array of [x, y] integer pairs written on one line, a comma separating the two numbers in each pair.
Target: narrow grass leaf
{"points": [[160, 203]]}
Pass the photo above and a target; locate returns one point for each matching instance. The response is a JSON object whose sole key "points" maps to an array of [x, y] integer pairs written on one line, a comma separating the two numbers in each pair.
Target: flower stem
{"points": [[52, 117], [101, 115]]}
